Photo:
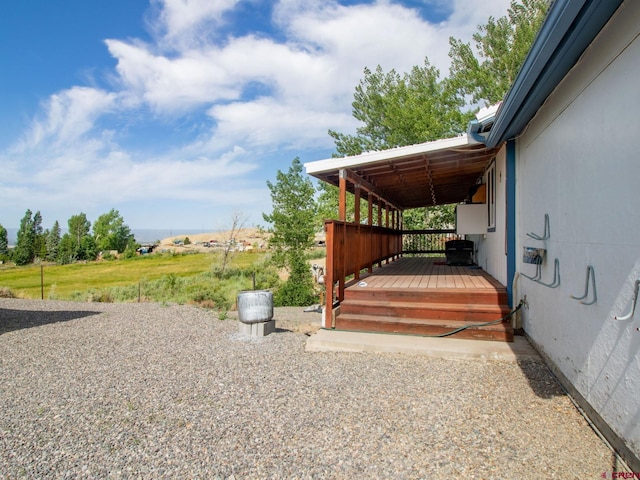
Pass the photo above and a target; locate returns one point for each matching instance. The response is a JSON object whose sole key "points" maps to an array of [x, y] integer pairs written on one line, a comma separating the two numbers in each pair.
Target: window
{"points": [[491, 196]]}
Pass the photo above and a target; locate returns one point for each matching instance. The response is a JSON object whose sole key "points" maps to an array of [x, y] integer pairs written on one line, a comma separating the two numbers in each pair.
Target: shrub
{"points": [[5, 292]]}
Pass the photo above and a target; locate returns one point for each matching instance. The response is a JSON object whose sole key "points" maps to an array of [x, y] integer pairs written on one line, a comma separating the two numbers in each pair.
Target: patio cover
{"points": [[404, 176]]}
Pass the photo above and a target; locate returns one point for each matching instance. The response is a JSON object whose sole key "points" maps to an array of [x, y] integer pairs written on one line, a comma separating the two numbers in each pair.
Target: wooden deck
{"points": [[424, 296], [426, 273]]}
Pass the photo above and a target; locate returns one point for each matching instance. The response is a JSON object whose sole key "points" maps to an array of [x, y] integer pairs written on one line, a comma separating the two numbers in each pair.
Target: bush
{"points": [[210, 297], [297, 291], [292, 294], [5, 292]]}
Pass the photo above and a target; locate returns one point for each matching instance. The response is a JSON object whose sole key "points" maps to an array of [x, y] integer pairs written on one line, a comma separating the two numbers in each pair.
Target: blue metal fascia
{"points": [[473, 130], [570, 26], [511, 217]]}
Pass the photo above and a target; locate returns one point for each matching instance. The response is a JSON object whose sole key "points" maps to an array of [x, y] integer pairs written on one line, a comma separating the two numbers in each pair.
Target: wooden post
{"points": [[356, 219], [342, 199], [386, 212], [379, 203], [329, 275], [370, 223]]}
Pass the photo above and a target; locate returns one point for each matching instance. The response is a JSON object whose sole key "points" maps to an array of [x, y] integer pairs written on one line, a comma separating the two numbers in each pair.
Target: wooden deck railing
{"points": [[426, 241], [352, 248]]}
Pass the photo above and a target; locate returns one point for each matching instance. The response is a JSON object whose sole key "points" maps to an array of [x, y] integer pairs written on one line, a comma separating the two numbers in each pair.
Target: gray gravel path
{"points": [[153, 391]]}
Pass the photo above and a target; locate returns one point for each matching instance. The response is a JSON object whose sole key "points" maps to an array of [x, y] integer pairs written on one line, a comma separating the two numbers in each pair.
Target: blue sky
{"points": [[176, 112]]}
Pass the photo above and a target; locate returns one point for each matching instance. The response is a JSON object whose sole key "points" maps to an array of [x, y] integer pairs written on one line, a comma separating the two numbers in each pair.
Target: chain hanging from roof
{"points": [[433, 193]]}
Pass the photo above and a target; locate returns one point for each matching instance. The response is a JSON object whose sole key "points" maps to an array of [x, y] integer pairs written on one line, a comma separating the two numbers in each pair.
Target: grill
{"points": [[459, 252]]}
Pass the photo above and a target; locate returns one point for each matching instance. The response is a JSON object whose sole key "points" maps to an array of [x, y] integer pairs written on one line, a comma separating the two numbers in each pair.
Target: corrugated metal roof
{"points": [[404, 175]]}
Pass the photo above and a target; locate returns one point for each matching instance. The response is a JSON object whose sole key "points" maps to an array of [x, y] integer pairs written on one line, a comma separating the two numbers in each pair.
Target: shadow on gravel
{"points": [[542, 382], [11, 320]]}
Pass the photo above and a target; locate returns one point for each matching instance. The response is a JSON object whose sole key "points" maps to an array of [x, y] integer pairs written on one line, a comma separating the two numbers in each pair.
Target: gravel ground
{"points": [[157, 391]]}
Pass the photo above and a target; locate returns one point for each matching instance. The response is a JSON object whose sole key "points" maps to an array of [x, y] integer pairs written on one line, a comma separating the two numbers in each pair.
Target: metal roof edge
{"points": [[329, 164], [569, 28]]}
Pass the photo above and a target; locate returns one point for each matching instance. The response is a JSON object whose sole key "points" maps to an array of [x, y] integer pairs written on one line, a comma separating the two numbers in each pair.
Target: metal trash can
{"points": [[255, 306]]}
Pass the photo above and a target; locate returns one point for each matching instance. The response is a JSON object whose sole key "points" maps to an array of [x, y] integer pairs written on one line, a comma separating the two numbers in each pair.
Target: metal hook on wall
{"points": [[591, 275], [556, 276], [547, 230], [538, 277], [633, 303], [538, 274]]}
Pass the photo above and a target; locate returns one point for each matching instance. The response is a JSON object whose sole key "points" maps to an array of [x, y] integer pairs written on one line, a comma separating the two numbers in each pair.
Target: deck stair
{"points": [[427, 311]]}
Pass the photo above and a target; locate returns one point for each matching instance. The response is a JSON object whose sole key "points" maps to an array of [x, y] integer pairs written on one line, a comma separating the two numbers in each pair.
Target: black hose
{"points": [[452, 332]]}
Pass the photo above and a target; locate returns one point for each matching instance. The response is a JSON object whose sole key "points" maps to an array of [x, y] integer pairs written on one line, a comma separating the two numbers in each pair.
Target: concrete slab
{"points": [[341, 341]]}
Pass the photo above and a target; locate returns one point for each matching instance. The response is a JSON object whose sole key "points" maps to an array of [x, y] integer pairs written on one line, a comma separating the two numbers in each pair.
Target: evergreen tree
{"points": [[39, 240], [66, 250], [4, 244], [53, 242], [24, 253]]}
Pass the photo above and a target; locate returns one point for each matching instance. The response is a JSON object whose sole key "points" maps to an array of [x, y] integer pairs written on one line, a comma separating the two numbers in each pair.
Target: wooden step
{"points": [[497, 296], [418, 310], [389, 324]]}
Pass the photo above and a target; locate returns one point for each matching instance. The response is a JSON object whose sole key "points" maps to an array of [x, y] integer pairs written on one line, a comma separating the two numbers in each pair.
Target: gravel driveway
{"points": [[155, 391]]}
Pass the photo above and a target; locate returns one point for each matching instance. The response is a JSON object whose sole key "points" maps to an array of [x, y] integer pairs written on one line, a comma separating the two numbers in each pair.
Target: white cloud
{"points": [[182, 22], [267, 122], [261, 95], [172, 84], [67, 116]]}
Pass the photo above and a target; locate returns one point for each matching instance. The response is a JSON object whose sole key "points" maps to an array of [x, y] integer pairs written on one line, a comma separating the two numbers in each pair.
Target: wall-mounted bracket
{"points": [[538, 274], [591, 276], [547, 230], [556, 276], [538, 277], [633, 303]]}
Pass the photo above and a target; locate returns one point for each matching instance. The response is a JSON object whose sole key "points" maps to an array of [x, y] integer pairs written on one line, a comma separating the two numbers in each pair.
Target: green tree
{"points": [[67, 251], [501, 47], [402, 110], [292, 232], [79, 228], [442, 216], [88, 249], [111, 233], [53, 242], [4, 244], [397, 111], [131, 250], [417, 107], [24, 253], [39, 239]]}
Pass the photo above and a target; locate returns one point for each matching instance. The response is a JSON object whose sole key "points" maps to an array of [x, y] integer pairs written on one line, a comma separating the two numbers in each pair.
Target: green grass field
{"points": [[67, 282]]}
